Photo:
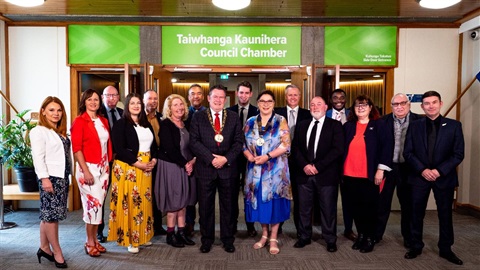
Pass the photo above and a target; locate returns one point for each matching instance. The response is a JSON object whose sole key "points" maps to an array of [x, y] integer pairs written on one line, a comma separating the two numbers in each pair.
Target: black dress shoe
{"points": [[359, 242], [174, 241], [185, 239], [350, 235], [331, 247], [412, 254], [301, 243], [367, 246], [205, 248], [451, 257], [101, 238], [230, 248], [252, 233]]}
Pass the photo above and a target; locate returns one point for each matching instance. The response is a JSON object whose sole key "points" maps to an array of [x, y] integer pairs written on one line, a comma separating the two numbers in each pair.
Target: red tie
{"points": [[217, 126]]}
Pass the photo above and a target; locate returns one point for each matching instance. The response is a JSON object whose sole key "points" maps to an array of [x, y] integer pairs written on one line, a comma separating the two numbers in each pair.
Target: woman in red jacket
{"points": [[92, 151]]}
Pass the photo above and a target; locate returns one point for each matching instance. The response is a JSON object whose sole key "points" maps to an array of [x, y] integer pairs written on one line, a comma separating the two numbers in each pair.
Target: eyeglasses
{"points": [[361, 105], [268, 102], [396, 104], [111, 95]]}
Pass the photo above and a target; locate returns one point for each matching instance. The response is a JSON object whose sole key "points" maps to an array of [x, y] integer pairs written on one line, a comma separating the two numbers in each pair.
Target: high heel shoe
{"points": [[61, 265], [274, 250], [260, 244], [92, 251], [41, 253], [100, 248]]}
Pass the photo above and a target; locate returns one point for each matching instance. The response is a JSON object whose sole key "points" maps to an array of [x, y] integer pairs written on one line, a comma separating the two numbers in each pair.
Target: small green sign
{"points": [[231, 45], [103, 44], [361, 45]]}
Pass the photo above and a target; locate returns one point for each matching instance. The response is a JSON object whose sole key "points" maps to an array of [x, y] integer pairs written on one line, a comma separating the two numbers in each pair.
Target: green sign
{"points": [[103, 44], [361, 45], [231, 45]]}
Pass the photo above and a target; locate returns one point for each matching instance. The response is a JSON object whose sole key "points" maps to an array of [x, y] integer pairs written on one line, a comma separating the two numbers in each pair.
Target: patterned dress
{"points": [[131, 214], [53, 206], [94, 195], [267, 186]]}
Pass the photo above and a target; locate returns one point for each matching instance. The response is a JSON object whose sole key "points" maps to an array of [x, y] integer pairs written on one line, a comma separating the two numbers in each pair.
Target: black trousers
{"points": [[206, 190], [397, 177], [347, 211], [327, 197], [444, 201], [363, 195]]}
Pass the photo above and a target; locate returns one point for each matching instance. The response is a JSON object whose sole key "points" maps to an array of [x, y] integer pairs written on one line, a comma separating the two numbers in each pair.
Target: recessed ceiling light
{"points": [[174, 80], [231, 4], [377, 76], [26, 3], [437, 4]]}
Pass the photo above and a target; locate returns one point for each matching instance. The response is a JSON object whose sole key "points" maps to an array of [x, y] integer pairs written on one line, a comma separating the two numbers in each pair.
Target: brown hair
{"points": [[61, 127], [374, 114]]}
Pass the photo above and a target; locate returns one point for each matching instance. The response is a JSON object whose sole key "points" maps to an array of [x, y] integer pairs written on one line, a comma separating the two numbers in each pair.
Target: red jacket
{"points": [[85, 138]]}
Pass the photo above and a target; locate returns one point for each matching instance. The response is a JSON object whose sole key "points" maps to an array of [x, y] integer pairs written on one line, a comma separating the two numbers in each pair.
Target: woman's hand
{"points": [[89, 180], [47, 185], [379, 175], [259, 160]]}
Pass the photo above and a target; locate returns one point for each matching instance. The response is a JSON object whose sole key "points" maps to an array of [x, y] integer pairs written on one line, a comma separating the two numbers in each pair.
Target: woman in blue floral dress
{"points": [[267, 188]]}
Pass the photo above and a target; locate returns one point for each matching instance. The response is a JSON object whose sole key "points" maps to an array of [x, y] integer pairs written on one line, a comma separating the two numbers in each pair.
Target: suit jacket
{"points": [[378, 146], [303, 114], [203, 145], [85, 138], [329, 154], [48, 152], [169, 149], [104, 112], [252, 111], [125, 140], [449, 152]]}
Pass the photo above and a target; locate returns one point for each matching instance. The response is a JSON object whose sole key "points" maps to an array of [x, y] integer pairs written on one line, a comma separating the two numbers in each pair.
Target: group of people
{"points": [[157, 163]]}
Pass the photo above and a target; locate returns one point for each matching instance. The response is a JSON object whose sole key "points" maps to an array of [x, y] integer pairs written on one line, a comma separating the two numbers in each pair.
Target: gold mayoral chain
{"points": [[218, 133]]}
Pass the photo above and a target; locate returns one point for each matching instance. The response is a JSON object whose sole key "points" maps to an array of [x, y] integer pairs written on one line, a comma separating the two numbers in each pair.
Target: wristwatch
{"points": [[269, 157]]}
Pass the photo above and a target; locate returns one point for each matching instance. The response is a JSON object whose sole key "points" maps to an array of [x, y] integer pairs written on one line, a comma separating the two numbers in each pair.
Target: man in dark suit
{"points": [[150, 99], [244, 110], [434, 147], [340, 113], [195, 97], [109, 109], [318, 149], [216, 139], [397, 124], [294, 114]]}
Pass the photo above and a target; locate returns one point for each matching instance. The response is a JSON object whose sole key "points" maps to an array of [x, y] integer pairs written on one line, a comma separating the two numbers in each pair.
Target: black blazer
{"points": [[303, 114], [329, 154], [449, 152], [252, 110], [378, 146], [170, 143], [203, 145], [125, 141]]}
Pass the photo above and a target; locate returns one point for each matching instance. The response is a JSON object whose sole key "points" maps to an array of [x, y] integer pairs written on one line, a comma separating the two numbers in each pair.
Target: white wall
{"points": [[469, 170], [427, 60], [38, 68]]}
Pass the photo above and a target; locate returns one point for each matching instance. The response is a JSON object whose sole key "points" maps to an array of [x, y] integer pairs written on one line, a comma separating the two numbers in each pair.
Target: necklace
{"points": [[261, 130]]}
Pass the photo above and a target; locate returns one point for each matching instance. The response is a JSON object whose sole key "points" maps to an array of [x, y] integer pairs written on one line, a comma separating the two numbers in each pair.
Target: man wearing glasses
{"points": [[109, 109], [397, 123]]}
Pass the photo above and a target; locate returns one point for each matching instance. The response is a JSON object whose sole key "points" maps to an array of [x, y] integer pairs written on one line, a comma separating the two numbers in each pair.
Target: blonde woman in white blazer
{"points": [[51, 158]]}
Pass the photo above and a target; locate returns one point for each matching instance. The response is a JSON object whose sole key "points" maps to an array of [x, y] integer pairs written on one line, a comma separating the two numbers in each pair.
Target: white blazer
{"points": [[47, 152]]}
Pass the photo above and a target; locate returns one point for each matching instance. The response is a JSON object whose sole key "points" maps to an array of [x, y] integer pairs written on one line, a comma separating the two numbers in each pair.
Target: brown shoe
{"points": [[91, 251], [351, 236], [100, 248]]}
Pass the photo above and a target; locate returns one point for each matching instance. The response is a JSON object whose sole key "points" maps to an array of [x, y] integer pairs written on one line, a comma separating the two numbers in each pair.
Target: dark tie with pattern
{"points": [[311, 143], [114, 118], [432, 137], [217, 126], [242, 119]]}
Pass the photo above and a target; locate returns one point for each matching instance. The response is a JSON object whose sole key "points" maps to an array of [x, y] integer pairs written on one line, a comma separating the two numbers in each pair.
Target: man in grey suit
{"points": [[244, 110], [216, 139], [318, 149]]}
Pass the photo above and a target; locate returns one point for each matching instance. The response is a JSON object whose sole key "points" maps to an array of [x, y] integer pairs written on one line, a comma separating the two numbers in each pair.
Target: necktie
{"points": [[217, 125], [343, 119], [291, 122], [241, 116], [311, 143], [338, 117], [432, 137], [113, 116]]}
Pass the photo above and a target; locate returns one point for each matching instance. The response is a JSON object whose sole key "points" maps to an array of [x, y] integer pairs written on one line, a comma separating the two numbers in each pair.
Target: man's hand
{"points": [[310, 170], [430, 175], [219, 161]]}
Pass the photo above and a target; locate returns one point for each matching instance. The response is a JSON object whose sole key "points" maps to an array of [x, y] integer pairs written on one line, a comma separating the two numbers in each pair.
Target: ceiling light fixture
{"points": [[437, 4], [26, 3], [231, 4]]}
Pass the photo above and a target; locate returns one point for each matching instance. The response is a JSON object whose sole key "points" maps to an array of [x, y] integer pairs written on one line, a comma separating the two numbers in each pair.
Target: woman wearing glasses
{"points": [[267, 182], [367, 156]]}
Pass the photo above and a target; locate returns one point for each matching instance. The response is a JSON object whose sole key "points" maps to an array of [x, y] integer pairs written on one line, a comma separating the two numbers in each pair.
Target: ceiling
{"points": [[260, 11]]}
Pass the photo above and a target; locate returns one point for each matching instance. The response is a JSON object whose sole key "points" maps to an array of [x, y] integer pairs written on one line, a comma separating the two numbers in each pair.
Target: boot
{"points": [[367, 246], [181, 237], [173, 241], [359, 242]]}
